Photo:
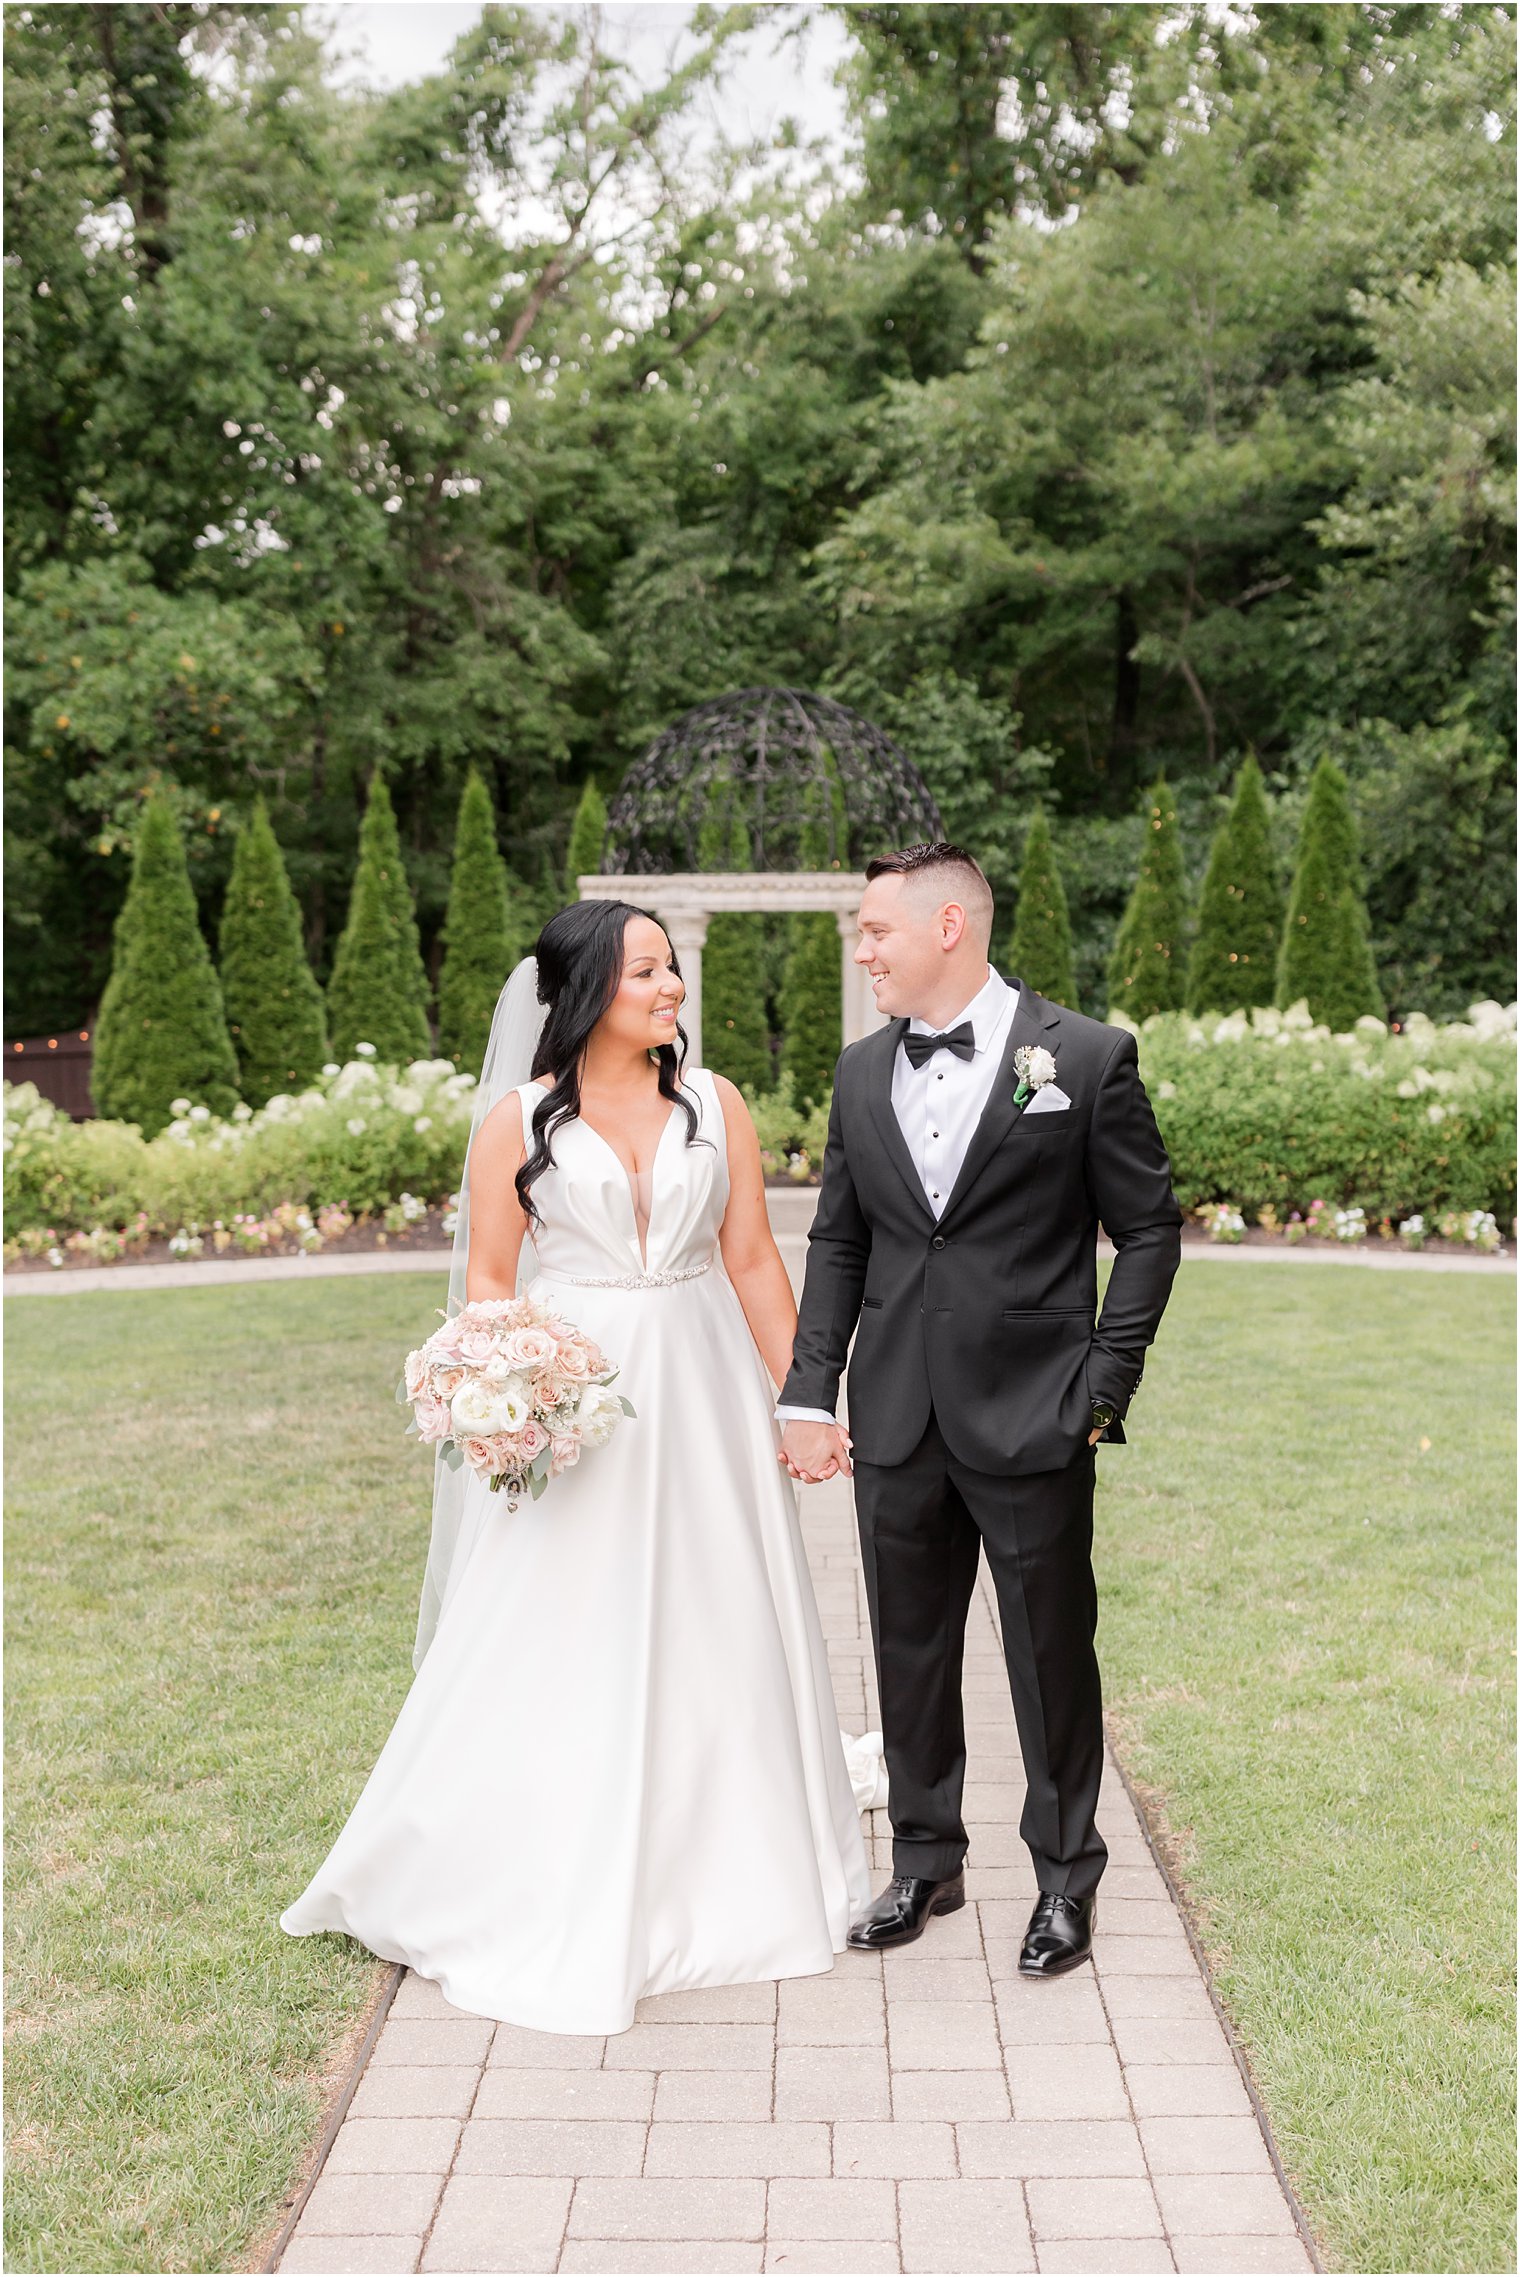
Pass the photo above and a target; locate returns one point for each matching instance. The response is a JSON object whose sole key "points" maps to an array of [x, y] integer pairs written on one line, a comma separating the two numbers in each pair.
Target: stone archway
{"points": [[686, 902]]}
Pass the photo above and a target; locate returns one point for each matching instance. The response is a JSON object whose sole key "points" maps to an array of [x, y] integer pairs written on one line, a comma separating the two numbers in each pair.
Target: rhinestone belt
{"points": [[664, 1280]]}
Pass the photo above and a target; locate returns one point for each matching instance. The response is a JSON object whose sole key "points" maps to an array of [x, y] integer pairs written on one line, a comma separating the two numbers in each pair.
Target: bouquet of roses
{"points": [[514, 1391]]}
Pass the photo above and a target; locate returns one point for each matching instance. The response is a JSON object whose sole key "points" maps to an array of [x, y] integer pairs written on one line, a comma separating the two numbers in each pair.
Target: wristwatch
{"points": [[1104, 1413]]}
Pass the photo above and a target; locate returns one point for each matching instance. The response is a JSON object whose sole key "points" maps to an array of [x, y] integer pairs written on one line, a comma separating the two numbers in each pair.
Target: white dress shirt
{"points": [[939, 1105]]}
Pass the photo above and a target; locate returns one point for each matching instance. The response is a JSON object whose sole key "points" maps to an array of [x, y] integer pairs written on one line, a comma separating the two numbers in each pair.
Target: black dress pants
{"points": [[922, 1524]]}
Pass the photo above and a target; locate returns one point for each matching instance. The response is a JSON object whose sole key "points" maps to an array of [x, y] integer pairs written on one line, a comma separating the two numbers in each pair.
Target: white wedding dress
{"points": [[619, 1769]]}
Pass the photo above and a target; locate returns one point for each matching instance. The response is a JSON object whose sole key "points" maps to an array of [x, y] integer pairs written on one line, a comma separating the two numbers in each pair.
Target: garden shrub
{"points": [[810, 1005], [1258, 1109], [480, 939], [1326, 955], [1233, 961], [377, 991], [165, 1029], [735, 1032], [1267, 1108], [588, 836], [275, 1013], [1147, 970], [1039, 950]]}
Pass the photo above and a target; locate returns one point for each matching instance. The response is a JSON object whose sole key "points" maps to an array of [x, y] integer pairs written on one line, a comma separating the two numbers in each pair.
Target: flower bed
{"points": [[1278, 1119], [357, 1142], [1269, 1120]]}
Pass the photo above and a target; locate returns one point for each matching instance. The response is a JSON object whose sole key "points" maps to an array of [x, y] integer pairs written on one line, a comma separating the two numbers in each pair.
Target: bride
{"points": [[618, 1770]]}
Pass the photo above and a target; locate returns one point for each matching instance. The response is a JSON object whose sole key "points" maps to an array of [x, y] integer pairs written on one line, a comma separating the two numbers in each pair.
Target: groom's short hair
{"points": [[946, 870]]}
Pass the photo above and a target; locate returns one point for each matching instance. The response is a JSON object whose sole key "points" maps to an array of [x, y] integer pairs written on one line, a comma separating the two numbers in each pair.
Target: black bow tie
{"points": [[961, 1041]]}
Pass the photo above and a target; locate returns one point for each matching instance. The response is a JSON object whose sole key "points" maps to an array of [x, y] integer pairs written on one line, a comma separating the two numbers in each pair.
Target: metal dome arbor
{"points": [[768, 799]]}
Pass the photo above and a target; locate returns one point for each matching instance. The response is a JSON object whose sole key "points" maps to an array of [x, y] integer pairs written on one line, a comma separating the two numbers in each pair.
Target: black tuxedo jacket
{"points": [[990, 1312]]}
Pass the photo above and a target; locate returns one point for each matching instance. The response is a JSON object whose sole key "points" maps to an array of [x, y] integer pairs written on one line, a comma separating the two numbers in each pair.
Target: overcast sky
{"points": [[770, 76]]}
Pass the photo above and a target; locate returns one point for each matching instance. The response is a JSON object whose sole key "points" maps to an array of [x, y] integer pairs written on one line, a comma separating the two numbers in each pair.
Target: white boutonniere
{"points": [[1034, 1067]]}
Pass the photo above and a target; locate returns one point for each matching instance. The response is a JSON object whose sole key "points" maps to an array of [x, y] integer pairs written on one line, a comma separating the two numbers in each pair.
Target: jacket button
{"points": [[938, 1242]]}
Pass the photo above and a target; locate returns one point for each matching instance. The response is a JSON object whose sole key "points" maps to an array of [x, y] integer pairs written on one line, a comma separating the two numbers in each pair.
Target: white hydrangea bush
{"points": [[365, 1137]]}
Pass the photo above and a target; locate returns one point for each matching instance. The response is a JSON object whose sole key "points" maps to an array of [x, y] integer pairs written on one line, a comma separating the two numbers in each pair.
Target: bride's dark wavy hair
{"points": [[580, 968]]}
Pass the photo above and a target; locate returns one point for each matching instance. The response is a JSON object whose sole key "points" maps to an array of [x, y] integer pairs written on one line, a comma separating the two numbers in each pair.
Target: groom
{"points": [[974, 1145]]}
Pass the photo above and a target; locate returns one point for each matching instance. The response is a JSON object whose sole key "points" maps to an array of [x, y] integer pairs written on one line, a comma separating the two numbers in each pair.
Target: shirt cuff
{"points": [[804, 1415]]}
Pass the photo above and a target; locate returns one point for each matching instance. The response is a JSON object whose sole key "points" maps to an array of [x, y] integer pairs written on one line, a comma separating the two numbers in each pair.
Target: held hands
{"points": [[813, 1452]]}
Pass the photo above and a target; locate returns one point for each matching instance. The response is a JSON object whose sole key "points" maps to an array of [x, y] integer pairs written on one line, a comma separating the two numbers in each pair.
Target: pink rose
{"points": [[567, 1452], [434, 1420], [476, 1345], [534, 1437], [416, 1373], [573, 1358], [531, 1348], [478, 1453]]}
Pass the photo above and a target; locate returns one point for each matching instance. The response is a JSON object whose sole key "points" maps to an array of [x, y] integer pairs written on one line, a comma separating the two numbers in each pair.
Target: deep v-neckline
{"points": [[632, 1191]]}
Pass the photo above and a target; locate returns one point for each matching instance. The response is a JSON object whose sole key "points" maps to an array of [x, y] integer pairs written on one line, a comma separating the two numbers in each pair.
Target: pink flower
{"points": [[475, 1346], [416, 1373], [531, 1348], [479, 1454], [574, 1357], [534, 1437], [434, 1420]]}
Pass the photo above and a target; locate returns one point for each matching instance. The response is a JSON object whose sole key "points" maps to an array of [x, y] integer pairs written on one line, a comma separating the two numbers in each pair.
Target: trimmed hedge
{"points": [[1257, 1108], [362, 1134], [1266, 1107]]}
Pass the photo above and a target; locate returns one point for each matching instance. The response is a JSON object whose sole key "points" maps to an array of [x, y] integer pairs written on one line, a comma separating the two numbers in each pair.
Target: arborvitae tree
{"points": [[1326, 950], [165, 1033], [1147, 970], [735, 1031], [1039, 948], [810, 1006], [105, 1043], [479, 937], [588, 833], [735, 1034], [378, 990], [1233, 962], [275, 1013]]}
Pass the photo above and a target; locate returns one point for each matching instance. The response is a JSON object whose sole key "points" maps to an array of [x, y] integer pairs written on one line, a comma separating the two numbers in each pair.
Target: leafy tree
{"points": [[378, 990], [165, 1032], [969, 115], [1326, 956], [1147, 969], [1233, 961], [1039, 950], [274, 1008], [588, 835], [479, 936]]}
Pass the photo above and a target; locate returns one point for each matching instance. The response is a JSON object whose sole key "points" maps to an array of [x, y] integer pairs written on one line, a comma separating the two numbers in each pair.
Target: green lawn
{"points": [[1306, 1638], [1306, 1630], [211, 1609]]}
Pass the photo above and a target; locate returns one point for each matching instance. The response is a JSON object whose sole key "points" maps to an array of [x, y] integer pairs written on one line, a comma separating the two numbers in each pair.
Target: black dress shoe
{"points": [[1059, 1935], [902, 1911]]}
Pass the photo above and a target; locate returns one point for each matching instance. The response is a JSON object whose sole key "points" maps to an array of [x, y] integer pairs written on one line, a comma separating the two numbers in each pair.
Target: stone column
{"points": [[688, 936], [856, 1000]]}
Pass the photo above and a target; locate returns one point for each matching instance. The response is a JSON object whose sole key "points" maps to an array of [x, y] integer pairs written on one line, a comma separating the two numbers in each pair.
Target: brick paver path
{"points": [[919, 2110]]}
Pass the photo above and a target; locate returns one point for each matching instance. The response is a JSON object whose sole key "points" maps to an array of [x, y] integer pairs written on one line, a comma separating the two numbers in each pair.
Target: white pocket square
{"points": [[1046, 1099]]}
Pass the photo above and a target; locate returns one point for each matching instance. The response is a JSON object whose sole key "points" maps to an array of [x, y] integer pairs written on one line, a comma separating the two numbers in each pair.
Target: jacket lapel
{"points": [[1033, 1015], [883, 1050]]}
